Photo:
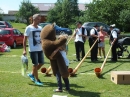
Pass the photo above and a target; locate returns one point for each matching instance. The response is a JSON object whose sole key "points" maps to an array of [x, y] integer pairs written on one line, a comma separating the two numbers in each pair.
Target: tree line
{"points": [[106, 11]]}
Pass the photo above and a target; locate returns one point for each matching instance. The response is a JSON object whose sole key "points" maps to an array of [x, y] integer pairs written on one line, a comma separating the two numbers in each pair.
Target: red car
{"points": [[11, 37]]}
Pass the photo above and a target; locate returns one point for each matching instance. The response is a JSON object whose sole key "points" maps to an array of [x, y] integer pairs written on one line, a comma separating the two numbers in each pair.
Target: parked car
{"points": [[2, 26], [43, 24], [11, 37], [89, 26], [6, 24], [59, 30]]}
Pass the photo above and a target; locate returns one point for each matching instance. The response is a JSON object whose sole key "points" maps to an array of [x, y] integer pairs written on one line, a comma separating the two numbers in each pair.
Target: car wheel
{"points": [[62, 32], [14, 45]]}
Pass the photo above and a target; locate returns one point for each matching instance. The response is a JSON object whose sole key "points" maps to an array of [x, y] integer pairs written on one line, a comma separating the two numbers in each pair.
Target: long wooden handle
{"points": [[71, 37], [54, 52], [48, 70], [77, 67], [105, 59]]}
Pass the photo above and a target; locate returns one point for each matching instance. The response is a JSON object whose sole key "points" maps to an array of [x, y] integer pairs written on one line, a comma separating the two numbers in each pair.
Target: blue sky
{"points": [[6, 5]]}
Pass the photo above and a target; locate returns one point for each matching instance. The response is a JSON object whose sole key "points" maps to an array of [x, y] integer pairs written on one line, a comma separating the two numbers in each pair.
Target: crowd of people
{"points": [[97, 36], [32, 34]]}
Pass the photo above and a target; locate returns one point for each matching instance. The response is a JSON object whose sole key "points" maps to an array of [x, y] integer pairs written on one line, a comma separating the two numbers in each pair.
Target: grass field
{"points": [[84, 84], [19, 26]]}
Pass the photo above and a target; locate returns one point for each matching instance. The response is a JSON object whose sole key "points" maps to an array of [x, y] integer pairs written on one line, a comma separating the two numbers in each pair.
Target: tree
{"points": [[26, 9], [1, 13], [64, 12], [125, 19], [106, 11], [54, 14]]}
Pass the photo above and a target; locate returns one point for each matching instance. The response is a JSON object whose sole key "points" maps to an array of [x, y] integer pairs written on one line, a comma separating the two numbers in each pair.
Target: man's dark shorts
{"points": [[37, 57]]}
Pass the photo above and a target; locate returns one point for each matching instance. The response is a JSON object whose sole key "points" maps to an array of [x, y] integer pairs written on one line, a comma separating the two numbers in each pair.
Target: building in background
{"points": [[43, 8]]}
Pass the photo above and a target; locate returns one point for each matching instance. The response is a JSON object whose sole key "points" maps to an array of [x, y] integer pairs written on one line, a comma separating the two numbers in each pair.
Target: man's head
{"points": [[78, 24], [101, 28], [96, 26], [36, 18], [112, 26]]}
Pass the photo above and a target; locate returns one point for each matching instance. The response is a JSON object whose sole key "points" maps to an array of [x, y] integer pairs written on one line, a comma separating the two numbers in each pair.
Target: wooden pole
{"points": [[71, 37], [77, 67], [105, 59], [48, 70]]}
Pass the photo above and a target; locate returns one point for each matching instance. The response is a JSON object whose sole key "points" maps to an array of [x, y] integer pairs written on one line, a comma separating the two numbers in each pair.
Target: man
{"points": [[113, 42], [32, 33], [92, 39], [80, 33]]}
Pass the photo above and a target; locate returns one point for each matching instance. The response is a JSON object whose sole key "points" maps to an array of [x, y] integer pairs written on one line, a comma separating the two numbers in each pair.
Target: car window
{"points": [[101, 24], [91, 24], [85, 24], [18, 32], [15, 32], [43, 24], [2, 23], [57, 26], [2, 26], [4, 32], [9, 25]]}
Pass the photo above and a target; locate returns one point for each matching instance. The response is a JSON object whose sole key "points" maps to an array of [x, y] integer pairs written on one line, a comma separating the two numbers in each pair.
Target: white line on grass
{"points": [[11, 56], [42, 73]]}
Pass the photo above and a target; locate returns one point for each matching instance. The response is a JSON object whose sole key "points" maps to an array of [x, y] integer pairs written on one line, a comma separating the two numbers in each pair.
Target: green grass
{"points": [[20, 26], [85, 84]]}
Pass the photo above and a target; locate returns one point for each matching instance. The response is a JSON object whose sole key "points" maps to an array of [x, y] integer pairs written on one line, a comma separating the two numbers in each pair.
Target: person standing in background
{"points": [[79, 42], [92, 39], [101, 44], [113, 42]]}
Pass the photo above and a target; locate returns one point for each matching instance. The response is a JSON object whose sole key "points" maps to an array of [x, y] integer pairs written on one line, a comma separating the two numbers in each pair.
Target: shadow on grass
{"points": [[33, 84], [19, 47], [126, 61], [121, 61], [84, 93], [1, 53], [46, 62], [73, 75], [111, 69], [87, 71], [109, 61], [101, 77], [48, 75], [50, 84]]}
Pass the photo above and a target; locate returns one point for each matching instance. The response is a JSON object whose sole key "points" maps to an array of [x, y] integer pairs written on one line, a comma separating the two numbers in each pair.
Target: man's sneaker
{"points": [[31, 77], [38, 83]]}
